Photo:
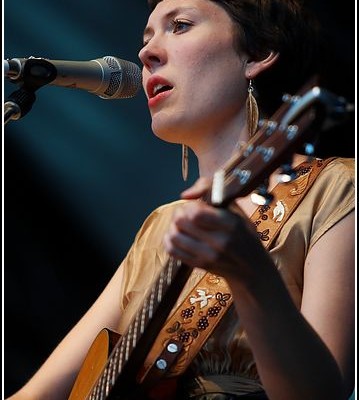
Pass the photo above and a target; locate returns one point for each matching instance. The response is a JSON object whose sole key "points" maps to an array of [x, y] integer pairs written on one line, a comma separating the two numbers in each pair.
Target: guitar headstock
{"points": [[274, 143]]}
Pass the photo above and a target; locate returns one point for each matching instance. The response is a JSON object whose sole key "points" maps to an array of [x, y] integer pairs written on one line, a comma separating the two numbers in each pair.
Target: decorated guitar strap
{"points": [[188, 328]]}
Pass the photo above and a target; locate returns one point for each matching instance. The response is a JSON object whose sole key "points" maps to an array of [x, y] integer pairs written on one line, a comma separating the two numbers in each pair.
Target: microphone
{"points": [[108, 77]]}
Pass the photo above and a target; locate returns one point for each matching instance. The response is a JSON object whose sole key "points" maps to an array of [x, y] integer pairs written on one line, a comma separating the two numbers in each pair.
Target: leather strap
{"points": [[188, 328]]}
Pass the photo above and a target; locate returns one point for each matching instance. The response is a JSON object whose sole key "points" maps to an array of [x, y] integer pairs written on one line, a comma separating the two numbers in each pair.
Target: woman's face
{"points": [[192, 75]]}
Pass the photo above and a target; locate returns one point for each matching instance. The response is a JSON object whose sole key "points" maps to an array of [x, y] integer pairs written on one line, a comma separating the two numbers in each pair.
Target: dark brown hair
{"points": [[282, 26]]}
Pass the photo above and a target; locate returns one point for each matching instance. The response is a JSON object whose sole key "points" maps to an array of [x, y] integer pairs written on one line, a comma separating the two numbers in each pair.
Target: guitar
{"points": [[112, 366]]}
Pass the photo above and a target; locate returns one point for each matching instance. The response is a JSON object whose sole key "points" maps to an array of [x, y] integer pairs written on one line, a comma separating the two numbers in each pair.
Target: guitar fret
{"points": [[160, 287], [169, 271], [121, 357], [152, 297], [116, 364], [135, 335], [108, 385], [110, 381], [143, 316], [102, 385], [106, 381], [128, 342], [98, 390], [96, 393]]}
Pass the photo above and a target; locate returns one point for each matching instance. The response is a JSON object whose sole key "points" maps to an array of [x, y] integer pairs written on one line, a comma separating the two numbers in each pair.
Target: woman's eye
{"points": [[179, 25]]}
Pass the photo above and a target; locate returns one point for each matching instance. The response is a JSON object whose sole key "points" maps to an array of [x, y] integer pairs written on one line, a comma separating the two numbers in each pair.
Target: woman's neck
{"points": [[216, 149]]}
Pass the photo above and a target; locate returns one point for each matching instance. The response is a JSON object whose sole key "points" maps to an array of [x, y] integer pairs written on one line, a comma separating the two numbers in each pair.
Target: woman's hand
{"points": [[221, 241]]}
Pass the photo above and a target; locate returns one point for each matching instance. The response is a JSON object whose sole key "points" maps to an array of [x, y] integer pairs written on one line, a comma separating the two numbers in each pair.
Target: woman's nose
{"points": [[153, 54]]}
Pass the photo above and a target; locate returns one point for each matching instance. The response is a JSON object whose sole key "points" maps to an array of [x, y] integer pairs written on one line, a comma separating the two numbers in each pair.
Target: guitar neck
{"points": [[130, 352]]}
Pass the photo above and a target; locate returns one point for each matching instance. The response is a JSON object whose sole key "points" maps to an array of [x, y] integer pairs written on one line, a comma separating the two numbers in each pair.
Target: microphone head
{"points": [[124, 79], [107, 77]]}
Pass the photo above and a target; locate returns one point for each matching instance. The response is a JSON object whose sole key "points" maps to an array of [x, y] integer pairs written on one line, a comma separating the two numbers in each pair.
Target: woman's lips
{"points": [[158, 89], [153, 101]]}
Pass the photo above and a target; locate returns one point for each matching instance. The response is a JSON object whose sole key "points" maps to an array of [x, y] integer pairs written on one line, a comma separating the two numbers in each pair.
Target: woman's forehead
{"points": [[168, 8]]}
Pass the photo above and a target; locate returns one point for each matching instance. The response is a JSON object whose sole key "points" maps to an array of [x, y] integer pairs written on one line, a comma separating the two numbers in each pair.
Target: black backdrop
{"points": [[81, 173]]}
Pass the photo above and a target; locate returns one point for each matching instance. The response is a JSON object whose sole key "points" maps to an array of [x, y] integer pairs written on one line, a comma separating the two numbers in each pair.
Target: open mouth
{"points": [[159, 88]]}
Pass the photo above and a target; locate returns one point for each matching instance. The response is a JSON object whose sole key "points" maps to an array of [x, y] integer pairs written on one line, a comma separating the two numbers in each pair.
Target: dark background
{"points": [[81, 173]]}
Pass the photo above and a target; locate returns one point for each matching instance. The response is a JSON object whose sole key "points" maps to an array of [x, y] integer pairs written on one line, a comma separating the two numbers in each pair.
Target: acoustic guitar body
{"points": [[94, 363]]}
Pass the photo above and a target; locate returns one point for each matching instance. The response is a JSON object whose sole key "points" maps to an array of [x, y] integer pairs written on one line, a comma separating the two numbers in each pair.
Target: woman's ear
{"points": [[253, 68]]}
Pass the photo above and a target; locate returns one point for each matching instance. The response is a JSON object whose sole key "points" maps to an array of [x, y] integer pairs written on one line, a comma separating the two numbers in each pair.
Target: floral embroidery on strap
{"points": [[198, 317]]}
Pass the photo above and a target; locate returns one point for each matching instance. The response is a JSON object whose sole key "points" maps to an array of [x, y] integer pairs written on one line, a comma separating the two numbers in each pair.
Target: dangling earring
{"points": [[252, 111], [184, 162]]}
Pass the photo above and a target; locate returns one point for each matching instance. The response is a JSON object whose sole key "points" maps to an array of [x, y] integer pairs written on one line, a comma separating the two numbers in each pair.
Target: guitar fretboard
{"points": [[138, 328]]}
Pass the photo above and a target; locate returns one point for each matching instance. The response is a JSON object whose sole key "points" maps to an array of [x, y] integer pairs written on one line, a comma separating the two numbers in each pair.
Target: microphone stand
{"points": [[36, 73]]}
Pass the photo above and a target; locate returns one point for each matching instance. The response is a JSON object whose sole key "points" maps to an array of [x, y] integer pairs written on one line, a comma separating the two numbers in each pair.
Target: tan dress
{"points": [[225, 364]]}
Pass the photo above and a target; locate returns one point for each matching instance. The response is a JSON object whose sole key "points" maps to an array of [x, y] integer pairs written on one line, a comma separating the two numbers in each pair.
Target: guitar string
{"points": [[123, 350]]}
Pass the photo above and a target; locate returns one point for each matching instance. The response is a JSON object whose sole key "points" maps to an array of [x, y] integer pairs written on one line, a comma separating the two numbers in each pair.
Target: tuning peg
{"points": [[288, 98], [270, 126], [287, 173], [261, 197], [309, 149]]}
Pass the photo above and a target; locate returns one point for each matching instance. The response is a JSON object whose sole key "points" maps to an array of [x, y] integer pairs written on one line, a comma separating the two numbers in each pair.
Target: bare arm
{"points": [[308, 355], [329, 294], [56, 376]]}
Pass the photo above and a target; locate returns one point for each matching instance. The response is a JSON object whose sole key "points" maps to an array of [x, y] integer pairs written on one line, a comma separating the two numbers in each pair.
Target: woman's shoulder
{"points": [[337, 179], [335, 183], [167, 208], [343, 166], [164, 211], [158, 220], [332, 196]]}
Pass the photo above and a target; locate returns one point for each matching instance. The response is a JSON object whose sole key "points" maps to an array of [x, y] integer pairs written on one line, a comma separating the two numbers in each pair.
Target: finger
{"points": [[187, 249], [198, 241], [215, 219], [199, 189], [173, 250], [186, 240], [198, 215]]}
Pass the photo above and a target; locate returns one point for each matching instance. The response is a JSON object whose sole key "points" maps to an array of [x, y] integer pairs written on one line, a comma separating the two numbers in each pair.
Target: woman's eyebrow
{"points": [[149, 30]]}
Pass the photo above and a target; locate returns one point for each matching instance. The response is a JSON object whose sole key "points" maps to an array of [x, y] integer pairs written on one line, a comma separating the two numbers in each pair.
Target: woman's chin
{"points": [[168, 132]]}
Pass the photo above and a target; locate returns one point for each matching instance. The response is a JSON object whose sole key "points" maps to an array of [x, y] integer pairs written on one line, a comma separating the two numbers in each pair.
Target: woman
{"points": [[290, 334]]}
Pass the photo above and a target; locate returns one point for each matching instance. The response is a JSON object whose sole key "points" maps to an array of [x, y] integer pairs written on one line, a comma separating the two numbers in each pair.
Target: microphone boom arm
{"points": [[37, 72]]}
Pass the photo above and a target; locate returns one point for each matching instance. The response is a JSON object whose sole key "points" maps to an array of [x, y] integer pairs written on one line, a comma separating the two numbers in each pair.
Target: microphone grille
{"points": [[125, 78]]}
